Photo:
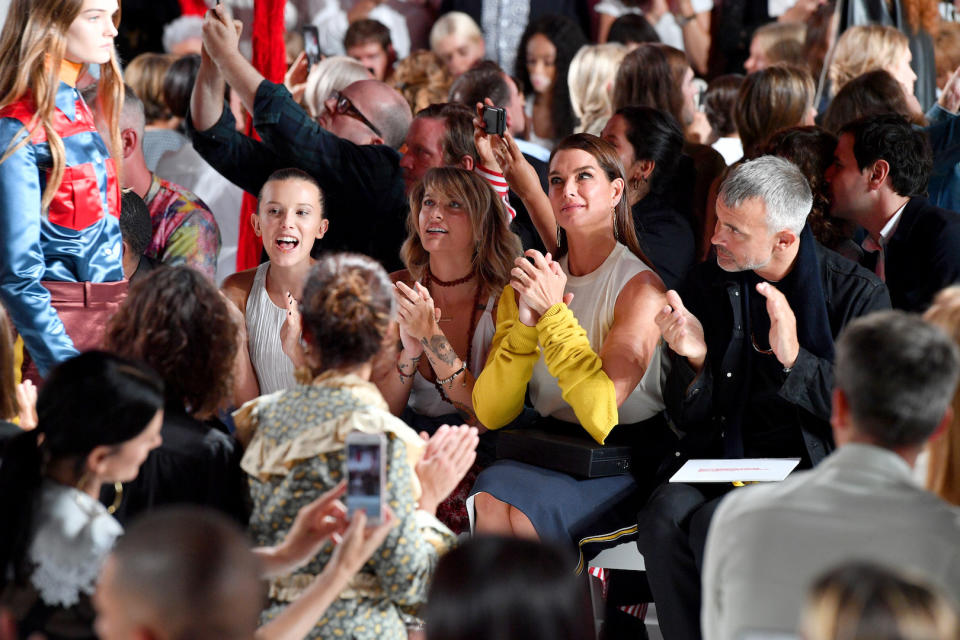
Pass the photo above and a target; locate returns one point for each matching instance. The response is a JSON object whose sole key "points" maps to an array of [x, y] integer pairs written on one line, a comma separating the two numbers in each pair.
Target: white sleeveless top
{"points": [[595, 296], [424, 397], [264, 318]]}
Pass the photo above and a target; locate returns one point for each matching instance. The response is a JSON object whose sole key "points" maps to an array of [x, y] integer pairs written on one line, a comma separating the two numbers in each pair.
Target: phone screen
{"points": [[311, 44], [364, 466]]}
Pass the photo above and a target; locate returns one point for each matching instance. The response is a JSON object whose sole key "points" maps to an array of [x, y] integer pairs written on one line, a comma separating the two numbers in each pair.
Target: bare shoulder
{"points": [[236, 287], [642, 293]]}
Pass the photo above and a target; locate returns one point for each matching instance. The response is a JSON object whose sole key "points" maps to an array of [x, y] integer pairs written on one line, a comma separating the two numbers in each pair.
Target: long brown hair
{"points": [[609, 162], [9, 407], [645, 79], [32, 47], [495, 246], [776, 97]]}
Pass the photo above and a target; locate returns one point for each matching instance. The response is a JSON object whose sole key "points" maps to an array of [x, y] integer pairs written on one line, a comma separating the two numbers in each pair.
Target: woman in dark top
{"points": [[179, 324], [649, 143]]}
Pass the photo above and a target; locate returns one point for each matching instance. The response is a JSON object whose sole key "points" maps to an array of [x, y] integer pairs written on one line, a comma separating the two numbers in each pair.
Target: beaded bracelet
{"points": [[449, 379]]}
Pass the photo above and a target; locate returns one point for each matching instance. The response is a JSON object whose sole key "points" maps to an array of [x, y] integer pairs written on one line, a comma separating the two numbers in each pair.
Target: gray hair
{"points": [[181, 29], [898, 374], [331, 74], [781, 186]]}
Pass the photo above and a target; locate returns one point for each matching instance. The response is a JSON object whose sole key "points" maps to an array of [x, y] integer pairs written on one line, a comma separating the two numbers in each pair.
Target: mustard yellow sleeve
{"points": [[584, 385], [499, 389]]}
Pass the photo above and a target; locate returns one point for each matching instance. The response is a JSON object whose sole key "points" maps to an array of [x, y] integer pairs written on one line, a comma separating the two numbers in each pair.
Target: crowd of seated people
{"points": [[509, 242]]}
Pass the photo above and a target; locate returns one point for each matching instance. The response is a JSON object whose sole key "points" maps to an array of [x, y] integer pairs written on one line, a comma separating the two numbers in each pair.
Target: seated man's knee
{"points": [[666, 511]]}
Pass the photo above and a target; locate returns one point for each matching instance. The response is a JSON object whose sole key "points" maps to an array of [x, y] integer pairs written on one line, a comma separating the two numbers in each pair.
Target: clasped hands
{"points": [[683, 332], [539, 282], [417, 316]]}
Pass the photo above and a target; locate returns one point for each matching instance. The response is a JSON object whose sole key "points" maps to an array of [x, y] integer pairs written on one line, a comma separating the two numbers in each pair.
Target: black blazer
{"points": [[922, 256]]}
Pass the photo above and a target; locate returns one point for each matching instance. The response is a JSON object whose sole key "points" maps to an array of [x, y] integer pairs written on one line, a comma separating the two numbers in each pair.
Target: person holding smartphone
{"points": [[299, 448]]}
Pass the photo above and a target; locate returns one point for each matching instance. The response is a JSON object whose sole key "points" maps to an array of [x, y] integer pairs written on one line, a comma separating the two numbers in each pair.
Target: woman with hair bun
{"points": [[298, 450], [99, 417]]}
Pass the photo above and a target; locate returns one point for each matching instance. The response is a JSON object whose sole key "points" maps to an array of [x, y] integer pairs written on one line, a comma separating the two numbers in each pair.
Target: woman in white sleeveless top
{"points": [[578, 334], [459, 252], [289, 219]]}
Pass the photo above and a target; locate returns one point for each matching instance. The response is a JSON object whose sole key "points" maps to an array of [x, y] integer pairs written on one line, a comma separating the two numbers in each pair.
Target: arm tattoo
{"points": [[439, 346], [465, 412]]}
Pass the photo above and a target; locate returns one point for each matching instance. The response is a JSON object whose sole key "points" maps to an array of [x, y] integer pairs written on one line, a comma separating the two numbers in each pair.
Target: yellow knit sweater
{"points": [[499, 391]]}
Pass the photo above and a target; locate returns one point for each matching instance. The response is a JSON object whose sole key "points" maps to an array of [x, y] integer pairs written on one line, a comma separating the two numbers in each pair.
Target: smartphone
{"points": [[366, 474], [494, 120], [311, 44]]}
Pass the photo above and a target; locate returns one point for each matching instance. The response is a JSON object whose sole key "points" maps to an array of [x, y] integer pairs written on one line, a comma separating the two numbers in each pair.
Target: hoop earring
{"points": [[616, 236], [117, 497]]}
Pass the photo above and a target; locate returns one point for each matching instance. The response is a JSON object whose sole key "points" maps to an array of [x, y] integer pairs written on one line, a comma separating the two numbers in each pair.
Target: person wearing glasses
{"points": [[751, 340], [352, 154]]}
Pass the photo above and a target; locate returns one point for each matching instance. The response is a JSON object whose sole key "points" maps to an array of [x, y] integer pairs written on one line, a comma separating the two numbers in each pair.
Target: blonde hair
{"points": [[862, 601], [454, 23], [943, 472], [331, 74], [32, 46], [144, 74], [770, 34], [422, 79], [590, 79], [864, 48]]}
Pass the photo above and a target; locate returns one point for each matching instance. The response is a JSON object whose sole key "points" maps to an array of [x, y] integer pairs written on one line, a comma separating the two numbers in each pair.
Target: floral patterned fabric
{"points": [[297, 452]]}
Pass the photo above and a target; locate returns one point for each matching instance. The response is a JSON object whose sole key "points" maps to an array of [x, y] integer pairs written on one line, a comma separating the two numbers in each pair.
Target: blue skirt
{"points": [[586, 515]]}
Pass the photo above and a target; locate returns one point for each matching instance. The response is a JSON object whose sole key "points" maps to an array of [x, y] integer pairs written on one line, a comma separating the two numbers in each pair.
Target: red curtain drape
{"points": [[270, 59]]}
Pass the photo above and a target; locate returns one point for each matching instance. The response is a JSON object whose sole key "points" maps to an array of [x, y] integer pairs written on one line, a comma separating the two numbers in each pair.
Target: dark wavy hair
{"points": [[178, 84], [92, 400], [609, 162], [567, 37], [811, 149], [655, 135], [645, 79], [719, 101], [495, 246], [508, 589], [176, 321], [869, 94], [892, 138], [347, 309]]}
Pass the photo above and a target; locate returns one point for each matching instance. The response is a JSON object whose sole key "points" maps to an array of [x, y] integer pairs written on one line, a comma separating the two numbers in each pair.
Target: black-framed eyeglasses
{"points": [[345, 107]]}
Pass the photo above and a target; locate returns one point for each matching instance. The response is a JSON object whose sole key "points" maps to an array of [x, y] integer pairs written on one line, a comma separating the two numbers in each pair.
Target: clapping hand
{"points": [[540, 282], [290, 333], [449, 455], [682, 331], [783, 325], [416, 315]]}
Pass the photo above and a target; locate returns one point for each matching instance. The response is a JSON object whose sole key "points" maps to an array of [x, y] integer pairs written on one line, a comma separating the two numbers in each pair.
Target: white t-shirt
{"points": [[666, 27]]}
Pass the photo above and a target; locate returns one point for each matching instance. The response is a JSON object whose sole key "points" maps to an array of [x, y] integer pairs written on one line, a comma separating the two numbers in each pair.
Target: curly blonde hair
{"points": [[590, 78], [864, 48], [422, 79]]}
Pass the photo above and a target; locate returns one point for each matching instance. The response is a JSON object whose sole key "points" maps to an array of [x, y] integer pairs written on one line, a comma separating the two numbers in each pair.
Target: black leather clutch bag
{"points": [[574, 454]]}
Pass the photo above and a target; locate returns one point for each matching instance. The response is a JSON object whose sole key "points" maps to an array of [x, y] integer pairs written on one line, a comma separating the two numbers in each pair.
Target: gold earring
{"points": [[117, 497]]}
